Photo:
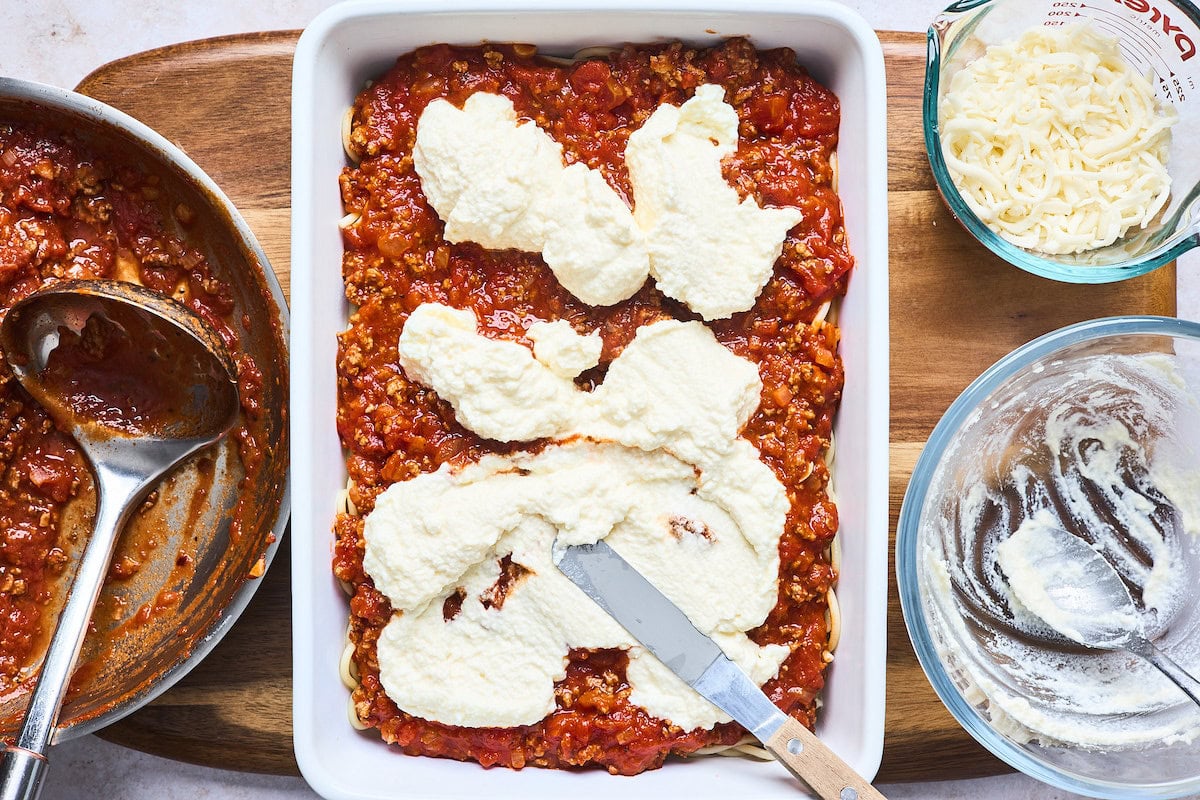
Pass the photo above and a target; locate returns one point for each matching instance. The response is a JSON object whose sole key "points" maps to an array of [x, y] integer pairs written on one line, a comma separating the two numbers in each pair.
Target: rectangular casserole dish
{"points": [[354, 42]]}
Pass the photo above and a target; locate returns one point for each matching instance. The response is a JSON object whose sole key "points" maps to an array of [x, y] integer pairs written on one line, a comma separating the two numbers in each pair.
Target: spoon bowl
{"points": [[107, 359], [1060, 578], [142, 383]]}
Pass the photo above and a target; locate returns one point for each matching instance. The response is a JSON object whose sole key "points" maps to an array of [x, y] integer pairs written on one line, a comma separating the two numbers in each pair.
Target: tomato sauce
{"points": [[69, 210], [126, 373], [394, 429]]}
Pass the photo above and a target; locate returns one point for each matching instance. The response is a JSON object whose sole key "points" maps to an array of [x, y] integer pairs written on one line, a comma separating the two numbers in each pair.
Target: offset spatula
{"points": [[665, 631]]}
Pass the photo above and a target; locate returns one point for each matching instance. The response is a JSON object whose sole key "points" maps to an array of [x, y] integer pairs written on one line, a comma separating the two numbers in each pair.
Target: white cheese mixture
{"points": [[708, 249], [650, 461], [1096, 446], [562, 350], [1055, 142], [675, 387], [498, 389], [503, 185]]}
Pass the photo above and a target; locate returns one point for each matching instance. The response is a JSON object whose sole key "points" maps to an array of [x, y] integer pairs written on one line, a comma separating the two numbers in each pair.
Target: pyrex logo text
{"points": [[1186, 47]]}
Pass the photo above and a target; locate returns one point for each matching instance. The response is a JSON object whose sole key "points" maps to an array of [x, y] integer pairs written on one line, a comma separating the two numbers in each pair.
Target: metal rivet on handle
{"points": [[849, 793], [796, 747]]}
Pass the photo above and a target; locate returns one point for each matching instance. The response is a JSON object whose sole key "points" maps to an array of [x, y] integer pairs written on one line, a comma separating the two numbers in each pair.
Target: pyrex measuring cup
{"points": [[1159, 38]]}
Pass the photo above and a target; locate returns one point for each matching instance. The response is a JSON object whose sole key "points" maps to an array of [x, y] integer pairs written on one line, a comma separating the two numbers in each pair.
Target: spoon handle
{"points": [[23, 771], [1178, 675], [22, 764]]}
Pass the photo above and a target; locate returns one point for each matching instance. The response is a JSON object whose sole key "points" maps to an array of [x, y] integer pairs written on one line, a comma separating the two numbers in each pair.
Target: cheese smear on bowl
{"points": [[650, 461], [503, 184], [1099, 446], [1055, 142]]}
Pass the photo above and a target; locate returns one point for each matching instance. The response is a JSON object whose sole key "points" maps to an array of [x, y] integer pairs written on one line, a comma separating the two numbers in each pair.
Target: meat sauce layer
{"points": [[394, 429]]}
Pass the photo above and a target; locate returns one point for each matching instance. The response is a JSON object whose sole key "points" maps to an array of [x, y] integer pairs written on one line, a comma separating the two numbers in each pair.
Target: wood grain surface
{"points": [[955, 309]]}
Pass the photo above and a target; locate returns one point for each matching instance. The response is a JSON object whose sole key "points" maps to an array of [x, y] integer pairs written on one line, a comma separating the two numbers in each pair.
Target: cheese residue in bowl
{"points": [[1098, 445], [1055, 142]]}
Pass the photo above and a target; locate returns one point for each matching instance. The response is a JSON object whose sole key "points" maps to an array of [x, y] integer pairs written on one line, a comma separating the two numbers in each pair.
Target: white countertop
{"points": [[59, 42]]}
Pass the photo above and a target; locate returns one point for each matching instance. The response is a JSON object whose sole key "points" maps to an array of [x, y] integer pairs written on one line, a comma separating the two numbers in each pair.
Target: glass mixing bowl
{"points": [[1089, 422], [1159, 38]]}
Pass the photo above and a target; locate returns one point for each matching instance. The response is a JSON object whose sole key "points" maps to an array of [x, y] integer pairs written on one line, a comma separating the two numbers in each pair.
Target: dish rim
{"points": [[312, 538]]}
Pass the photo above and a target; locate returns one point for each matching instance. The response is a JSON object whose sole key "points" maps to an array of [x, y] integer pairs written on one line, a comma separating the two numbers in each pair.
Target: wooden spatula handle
{"points": [[807, 757]]}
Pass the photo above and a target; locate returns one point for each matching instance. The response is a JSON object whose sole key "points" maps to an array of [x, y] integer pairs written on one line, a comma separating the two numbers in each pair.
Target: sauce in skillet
{"points": [[68, 210]]}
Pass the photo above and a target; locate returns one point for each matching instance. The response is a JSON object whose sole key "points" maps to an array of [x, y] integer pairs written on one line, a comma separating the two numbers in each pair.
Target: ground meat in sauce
{"points": [[393, 429], [70, 211]]}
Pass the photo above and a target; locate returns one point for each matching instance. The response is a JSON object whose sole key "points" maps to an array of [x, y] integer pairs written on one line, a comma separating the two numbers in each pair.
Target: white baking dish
{"points": [[353, 42]]}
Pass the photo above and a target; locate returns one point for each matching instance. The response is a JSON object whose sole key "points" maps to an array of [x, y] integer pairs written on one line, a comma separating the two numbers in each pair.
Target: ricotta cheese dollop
{"points": [[708, 248], [502, 184], [650, 461]]}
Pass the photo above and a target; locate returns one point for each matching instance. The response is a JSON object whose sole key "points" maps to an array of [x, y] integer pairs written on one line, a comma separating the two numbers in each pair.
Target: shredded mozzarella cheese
{"points": [[1055, 142]]}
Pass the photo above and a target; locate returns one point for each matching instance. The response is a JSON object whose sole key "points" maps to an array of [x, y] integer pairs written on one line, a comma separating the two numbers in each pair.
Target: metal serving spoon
{"points": [[142, 383], [1079, 594]]}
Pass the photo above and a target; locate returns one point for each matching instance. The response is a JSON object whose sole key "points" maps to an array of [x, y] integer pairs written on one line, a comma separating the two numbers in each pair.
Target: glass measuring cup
{"points": [[1158, 38]]}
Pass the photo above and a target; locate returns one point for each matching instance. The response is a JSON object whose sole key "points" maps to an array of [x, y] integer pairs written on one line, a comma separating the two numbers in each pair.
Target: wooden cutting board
{"points": [[955, 309]]}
